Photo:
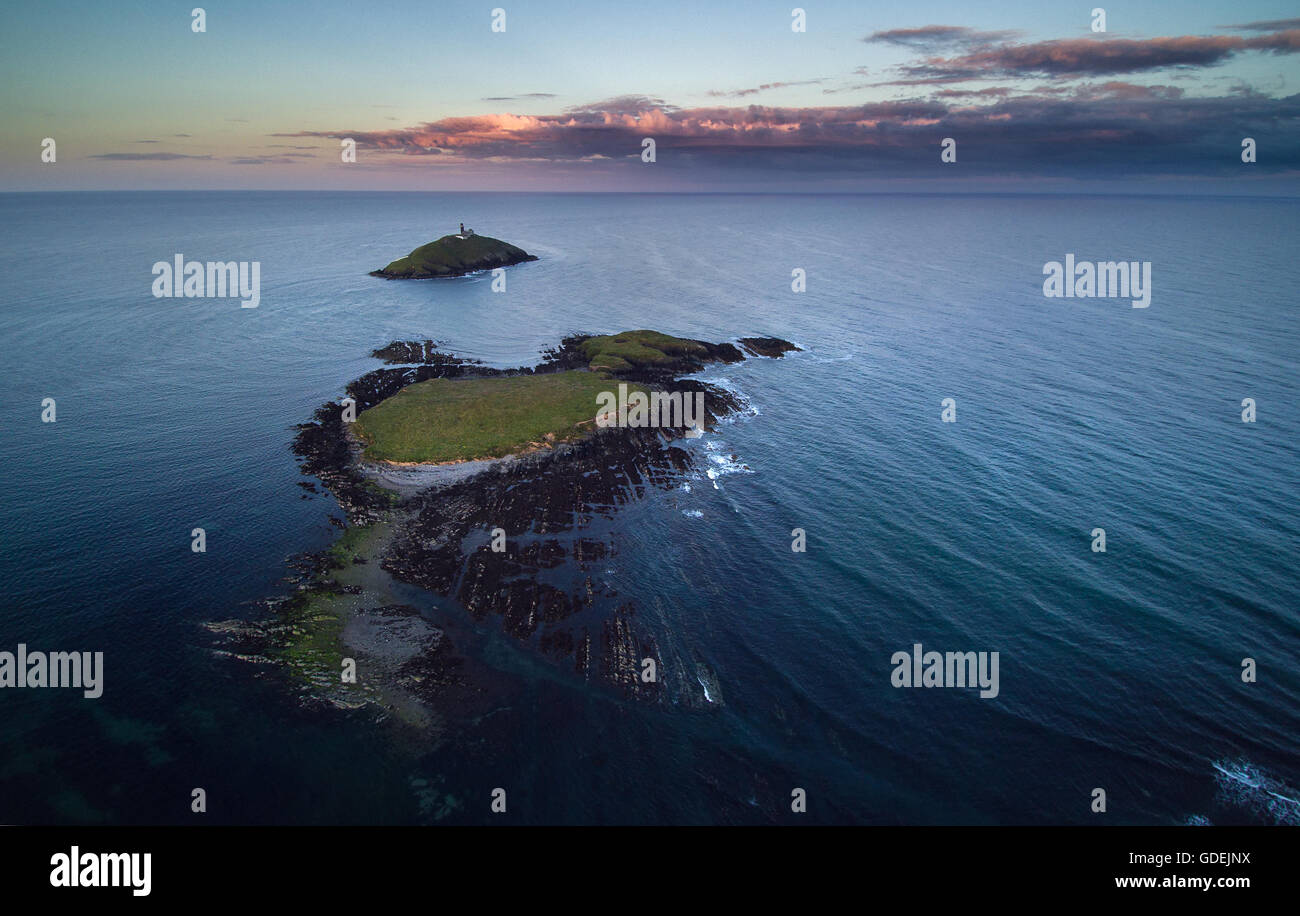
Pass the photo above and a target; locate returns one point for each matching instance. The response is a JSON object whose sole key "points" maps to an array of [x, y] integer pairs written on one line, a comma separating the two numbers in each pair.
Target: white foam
{"points": [[1244, 784]]}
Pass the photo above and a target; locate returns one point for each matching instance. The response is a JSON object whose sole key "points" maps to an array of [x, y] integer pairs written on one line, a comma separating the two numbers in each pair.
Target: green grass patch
{"points": [[441, 420], [638, 348]]}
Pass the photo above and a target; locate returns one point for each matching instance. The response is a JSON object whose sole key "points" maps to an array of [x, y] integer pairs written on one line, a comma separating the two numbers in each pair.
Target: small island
{"points": [[495, 489], [454, 256]]}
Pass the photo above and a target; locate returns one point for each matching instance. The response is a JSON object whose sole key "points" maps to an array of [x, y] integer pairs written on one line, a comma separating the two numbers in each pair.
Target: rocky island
{"points": [[454, 256], [490, 488]]}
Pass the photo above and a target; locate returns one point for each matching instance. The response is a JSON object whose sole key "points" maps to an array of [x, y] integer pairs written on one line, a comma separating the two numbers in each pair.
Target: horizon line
{"points": [[665, 193]]}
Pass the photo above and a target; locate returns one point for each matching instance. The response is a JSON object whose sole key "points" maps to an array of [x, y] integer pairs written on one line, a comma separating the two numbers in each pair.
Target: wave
{"points": [[746, 407], [721, 464], [708, 681], [1244, 785]]}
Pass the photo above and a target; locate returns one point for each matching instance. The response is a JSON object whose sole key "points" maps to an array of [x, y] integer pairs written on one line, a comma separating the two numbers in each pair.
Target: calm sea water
{"points": [[1118, 670]]}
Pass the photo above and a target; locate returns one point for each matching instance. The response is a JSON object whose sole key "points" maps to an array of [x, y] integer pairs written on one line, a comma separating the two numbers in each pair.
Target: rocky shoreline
{"points": [[434, 532]]}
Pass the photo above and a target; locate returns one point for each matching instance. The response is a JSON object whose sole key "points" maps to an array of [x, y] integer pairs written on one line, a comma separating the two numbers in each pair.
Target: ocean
{"points": [[1119, 670]]}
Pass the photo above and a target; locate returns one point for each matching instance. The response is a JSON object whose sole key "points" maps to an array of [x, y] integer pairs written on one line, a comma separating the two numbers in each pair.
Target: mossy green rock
{"points": [[640, 349]]}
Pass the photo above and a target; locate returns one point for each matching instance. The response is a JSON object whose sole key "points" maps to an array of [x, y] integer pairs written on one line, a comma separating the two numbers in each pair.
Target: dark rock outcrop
{"points": [[773, 347]]}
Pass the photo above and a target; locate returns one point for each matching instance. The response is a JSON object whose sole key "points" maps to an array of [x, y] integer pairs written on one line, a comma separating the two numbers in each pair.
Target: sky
{"points": [[734, 98]]}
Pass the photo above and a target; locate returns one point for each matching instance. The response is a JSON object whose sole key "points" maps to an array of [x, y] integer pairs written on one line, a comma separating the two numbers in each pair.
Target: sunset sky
{"points": [[734, 99]]}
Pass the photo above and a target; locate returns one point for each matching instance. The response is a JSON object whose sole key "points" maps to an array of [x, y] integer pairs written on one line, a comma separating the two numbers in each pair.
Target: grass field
{"points": [[442, 420]]}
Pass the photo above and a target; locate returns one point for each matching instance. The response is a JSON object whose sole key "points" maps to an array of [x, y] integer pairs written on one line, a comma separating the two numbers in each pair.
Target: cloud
{"points": [[987, 92], [516, 98], [1270, 25], [1093, 57], [144, 157], [623, 105], [741, 93], [1115, 126], [273, 159], [933, 37], [1057, 107], [615, 128], [1132, 91], [260, 160]]}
